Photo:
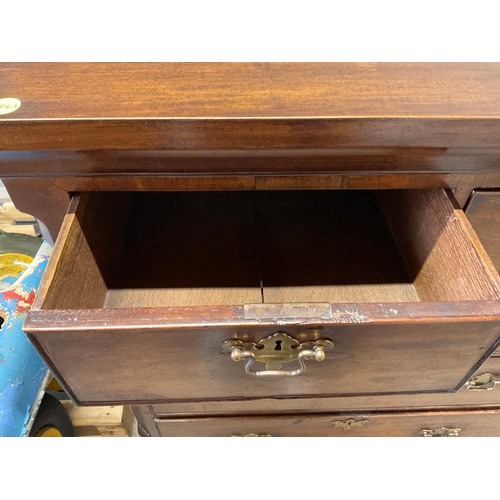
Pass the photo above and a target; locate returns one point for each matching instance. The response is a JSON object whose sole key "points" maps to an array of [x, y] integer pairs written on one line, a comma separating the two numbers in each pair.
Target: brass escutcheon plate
{"points": [[349, 423], [276, 350]]}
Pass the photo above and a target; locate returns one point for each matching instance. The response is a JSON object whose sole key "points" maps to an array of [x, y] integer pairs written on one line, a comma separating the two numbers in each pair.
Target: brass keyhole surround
{"points": [[276, 350]]}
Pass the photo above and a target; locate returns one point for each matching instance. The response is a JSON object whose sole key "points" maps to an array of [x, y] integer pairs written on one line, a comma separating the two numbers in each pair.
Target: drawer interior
{"points": [[160, 249]]}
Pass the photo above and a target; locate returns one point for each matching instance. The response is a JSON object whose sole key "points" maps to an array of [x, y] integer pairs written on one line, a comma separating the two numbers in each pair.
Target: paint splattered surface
{"points": [[22, 371]]}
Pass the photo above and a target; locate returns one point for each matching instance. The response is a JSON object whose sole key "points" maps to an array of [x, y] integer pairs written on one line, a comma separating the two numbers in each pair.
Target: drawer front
{"points": [[423, 424], [119, 321], [139, 365], [482, 390]]}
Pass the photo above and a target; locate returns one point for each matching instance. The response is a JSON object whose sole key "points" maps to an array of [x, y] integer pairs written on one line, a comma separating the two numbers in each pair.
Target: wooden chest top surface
{"points": [[89, 106], [251, 90]]}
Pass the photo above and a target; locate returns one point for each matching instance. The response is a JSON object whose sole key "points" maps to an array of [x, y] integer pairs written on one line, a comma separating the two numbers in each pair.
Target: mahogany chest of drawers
{"points": [[266, 249]]}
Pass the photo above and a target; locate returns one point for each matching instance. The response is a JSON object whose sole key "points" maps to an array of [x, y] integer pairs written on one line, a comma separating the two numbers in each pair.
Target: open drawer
{"points": [[164, 296]]}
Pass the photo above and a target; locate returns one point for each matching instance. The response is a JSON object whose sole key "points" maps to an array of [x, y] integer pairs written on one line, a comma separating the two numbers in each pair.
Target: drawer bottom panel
{"points": [[424, 424]]}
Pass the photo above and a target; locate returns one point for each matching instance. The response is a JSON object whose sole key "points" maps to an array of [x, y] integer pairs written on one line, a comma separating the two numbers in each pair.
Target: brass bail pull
{"points": [[274, 351], [482, 382], [441, 432]]}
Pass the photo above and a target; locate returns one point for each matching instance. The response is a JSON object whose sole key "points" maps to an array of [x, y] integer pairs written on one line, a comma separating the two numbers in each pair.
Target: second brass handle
{"points": [[441, 432], [483, 382]]}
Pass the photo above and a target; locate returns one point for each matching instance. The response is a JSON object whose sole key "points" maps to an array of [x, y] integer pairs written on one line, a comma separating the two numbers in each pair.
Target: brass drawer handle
{"points": [[349, 423], [251, 434], [482, 382], [441, 432], [274, 351]]}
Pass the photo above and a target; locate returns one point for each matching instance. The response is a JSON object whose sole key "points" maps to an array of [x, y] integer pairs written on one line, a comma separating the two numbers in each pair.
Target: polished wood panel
{"points": [[163, 182], [463, 399], [124, 90], [94, 365], [303, 160], [246, 133], [461, 184], [80, 120], [233, 316], [42, 199], [48, 199], [468, 424], [81, 107]]}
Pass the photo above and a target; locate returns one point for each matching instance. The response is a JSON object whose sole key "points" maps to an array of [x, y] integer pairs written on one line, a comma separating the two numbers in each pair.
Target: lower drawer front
{"points": [[424, 424], [481, 391]]}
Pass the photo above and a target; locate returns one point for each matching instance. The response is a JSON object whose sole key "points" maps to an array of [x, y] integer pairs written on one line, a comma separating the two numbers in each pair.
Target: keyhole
{"points": [[277, 347]]}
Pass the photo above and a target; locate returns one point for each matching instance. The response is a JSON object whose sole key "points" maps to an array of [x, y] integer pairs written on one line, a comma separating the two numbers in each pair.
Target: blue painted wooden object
{"points": [[23, 374]]}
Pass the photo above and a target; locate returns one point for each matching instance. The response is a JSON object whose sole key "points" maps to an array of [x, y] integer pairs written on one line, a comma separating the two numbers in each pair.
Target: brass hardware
{"points": [[482, 382], [350, 423], [309, 310], [276, 350], [441, 432], [251, 435]]}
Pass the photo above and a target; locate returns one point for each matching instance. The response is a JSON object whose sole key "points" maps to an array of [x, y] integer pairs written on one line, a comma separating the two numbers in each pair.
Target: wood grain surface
{"points": [[47, 198], [259, 126], [469, 424], [483, 211], [224, 160], [463, 399], [224, 90], [89, 243], [442, 256], [244, 126], [80, 106], [94, 364], [40, 198]]}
